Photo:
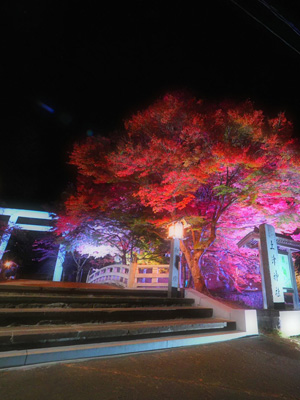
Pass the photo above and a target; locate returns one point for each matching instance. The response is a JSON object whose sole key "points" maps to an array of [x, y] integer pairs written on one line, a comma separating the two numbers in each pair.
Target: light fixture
{"points": [[8, 264], [176, 230]]}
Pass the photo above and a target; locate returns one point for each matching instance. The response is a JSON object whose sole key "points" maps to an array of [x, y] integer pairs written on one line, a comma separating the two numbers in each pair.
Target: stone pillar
{"points": [[173, 269], [132, 272], [294, 283], [273, 296]]}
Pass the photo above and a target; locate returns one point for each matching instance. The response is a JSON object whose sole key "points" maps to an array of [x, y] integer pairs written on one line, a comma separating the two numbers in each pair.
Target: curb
{"points": [[21, 358]]}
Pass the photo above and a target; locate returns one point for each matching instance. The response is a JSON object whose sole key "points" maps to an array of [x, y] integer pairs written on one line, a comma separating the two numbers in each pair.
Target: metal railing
{"points": [[131, 276]]}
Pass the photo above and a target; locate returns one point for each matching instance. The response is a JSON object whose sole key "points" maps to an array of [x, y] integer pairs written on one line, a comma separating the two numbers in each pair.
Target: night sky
{"points": [[73, 69]]}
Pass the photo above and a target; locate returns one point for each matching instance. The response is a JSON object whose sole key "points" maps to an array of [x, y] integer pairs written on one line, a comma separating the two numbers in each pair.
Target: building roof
{"points": [[284, 242]]}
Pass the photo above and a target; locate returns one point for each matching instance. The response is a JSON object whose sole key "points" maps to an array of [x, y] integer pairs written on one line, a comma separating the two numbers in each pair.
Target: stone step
{"points": [[17, 358], [55, 322], [30, 316], [44, 336], [85, 301], [79, 289]]}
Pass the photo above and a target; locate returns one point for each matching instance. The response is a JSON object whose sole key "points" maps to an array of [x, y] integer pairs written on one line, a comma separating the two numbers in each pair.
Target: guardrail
{"points": [[131, 276]]}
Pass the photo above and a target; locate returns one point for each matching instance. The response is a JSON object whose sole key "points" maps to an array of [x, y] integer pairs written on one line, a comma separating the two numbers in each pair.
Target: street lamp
{"points": [[175, 233]]}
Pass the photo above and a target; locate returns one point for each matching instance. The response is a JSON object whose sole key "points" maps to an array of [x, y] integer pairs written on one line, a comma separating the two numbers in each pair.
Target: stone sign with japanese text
{"points": [[272, 273]]}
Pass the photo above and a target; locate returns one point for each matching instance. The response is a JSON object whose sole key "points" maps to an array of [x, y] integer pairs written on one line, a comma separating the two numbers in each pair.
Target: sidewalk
{"points": [[261, 367]]}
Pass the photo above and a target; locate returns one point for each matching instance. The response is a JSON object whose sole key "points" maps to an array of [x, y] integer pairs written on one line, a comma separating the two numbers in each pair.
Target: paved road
{"points": [[261, 367]]}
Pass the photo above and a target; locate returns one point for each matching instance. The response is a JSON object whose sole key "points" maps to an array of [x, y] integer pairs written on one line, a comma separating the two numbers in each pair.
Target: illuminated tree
{"points": [[221, 167], [113, 216], [79, 241]]}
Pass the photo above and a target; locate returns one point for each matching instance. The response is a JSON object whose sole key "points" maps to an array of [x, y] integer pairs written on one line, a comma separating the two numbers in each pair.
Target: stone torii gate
{"points": [[276, 265], [14, 215]]}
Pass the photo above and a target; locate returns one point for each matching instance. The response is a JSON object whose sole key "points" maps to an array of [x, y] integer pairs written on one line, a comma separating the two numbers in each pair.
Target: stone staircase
{"points": [[41, 324]]}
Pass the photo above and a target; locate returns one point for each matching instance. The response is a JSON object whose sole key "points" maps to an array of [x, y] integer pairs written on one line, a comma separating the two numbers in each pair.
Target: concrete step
{"points": [[57, 322], [11, 300], [18, 358], [78, 289], [45, 336], [30, 316]]}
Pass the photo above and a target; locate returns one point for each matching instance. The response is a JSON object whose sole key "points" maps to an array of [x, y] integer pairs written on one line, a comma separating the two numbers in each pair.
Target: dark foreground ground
{"points": [[262, 367]]}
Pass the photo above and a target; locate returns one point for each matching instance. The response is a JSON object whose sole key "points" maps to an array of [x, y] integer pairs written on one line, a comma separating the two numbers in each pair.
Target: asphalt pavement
{"points": [[261, 367]]}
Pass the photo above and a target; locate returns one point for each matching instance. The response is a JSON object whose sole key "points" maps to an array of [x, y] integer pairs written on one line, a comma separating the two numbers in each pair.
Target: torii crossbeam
{"points": [[14, 214]]}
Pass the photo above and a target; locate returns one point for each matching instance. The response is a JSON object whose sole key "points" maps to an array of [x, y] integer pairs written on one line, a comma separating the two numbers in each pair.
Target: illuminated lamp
{"points": [[8, 264], [176, 230]]}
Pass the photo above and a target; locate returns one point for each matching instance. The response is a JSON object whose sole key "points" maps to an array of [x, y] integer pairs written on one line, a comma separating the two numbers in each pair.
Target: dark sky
{"points": [[72, 68]]}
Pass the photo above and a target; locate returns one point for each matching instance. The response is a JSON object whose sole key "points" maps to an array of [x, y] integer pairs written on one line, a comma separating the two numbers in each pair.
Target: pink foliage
{"points": [[225, 168]]}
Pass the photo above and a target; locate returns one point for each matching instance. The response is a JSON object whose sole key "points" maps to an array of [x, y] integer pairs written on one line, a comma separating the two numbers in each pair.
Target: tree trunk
{"points": [[198, 278], [192, 260], [78, 274]]}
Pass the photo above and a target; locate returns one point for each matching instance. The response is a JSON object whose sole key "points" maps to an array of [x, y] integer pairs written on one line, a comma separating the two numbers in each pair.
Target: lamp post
{"points": [[175, 233]]}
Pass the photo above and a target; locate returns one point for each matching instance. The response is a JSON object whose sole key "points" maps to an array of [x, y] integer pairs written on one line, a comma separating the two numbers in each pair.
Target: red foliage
{"points": [[214, 165]]}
